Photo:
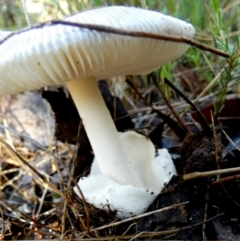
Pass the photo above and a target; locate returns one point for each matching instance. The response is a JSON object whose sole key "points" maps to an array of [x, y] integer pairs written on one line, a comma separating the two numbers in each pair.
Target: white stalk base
{"points": [[127, 200]]}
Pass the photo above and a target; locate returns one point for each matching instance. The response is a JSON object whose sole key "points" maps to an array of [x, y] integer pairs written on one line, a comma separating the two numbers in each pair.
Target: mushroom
{"points": [[78, 57]]}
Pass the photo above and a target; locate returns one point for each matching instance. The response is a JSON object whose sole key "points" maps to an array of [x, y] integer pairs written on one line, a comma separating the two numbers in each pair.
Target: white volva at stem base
{"points": [[101, 131]]}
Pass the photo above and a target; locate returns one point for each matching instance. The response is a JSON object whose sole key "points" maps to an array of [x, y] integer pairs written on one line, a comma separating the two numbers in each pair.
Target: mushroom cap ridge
{"points": [[55, 54]]}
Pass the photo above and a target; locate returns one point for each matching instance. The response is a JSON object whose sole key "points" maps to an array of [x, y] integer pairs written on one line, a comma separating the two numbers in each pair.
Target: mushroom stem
{"points": [[101, 131]]}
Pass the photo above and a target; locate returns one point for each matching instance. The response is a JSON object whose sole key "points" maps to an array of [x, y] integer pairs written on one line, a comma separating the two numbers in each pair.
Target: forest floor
{"points": [[40, 164]]}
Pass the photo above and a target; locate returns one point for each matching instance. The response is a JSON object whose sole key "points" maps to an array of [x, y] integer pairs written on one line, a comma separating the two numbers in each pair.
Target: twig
{"points": [[217, 157], [205, 124], [171, 109], [209, 173], [205, 215], [210, 85], [105, 29], [175, 127], [139, 216], [230, 140], [220, 178], [78, 143], [226, 179], [33, 170], [150, 234], [217, 151], [36, 143], [31, 220], [41, 177]]}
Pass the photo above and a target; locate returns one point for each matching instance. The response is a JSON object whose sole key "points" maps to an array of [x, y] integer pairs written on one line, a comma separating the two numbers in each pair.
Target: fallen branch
{"points": [[209, 173], [139, 216], [105, 29]]}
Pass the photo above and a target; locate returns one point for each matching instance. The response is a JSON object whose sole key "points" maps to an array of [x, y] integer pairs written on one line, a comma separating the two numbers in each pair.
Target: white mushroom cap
{"points": [[55, 54], [153, 171]]}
